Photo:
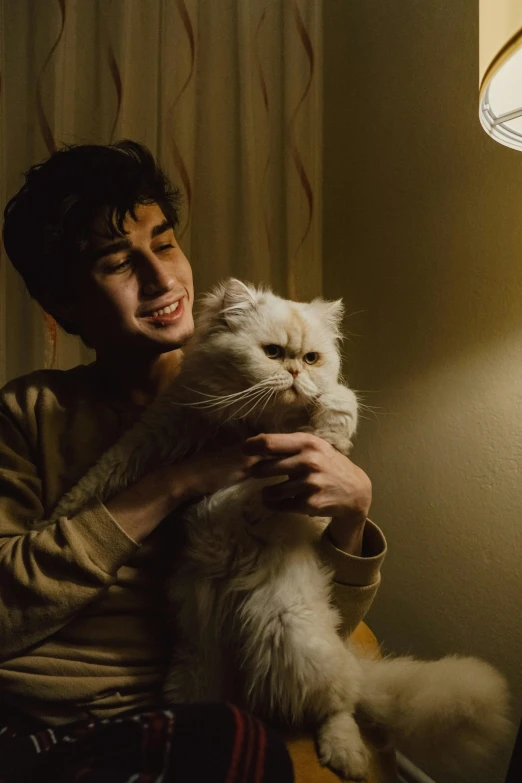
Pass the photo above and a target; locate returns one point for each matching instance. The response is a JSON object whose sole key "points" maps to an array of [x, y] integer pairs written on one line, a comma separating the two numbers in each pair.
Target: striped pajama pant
{"points": [[190, 743]]}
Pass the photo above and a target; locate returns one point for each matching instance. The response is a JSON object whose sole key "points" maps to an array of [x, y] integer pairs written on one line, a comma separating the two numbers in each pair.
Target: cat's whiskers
{"points": [[271, 393], [217, 401], [269, 398], [223, 396], [266, 392], [252, 401], [220, 397], [374, 410]]}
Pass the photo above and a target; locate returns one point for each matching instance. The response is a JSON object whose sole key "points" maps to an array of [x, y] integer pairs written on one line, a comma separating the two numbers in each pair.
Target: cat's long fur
{"points": [[252, 598]]}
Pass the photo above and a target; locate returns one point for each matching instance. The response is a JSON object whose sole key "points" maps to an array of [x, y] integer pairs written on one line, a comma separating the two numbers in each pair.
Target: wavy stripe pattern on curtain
{"points": [[227, 95]]}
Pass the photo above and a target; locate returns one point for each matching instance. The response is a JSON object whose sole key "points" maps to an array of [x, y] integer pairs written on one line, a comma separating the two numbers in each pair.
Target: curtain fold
{"points": [[227, 95]]}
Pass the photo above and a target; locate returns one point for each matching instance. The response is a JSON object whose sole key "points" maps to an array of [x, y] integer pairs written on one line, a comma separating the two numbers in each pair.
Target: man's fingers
{"points": [[277, 444], [287, 489], [265, 468], [291, 505]]}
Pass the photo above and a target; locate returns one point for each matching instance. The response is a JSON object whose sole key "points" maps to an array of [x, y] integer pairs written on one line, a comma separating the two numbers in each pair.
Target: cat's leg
{"points": [[298, 666], [293, 663], [341, 748], [330, 679], [339, 742]]}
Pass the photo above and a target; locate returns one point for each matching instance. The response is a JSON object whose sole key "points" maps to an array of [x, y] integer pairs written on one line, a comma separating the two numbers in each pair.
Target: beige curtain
{"points": [[227, 94]]}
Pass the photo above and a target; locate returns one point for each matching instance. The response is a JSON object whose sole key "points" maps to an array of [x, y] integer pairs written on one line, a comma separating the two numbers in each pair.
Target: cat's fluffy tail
{"points": [[456, 708]]}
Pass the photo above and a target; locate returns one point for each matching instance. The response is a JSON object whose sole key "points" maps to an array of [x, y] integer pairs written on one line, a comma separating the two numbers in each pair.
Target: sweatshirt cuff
{"points": [[351, 569], [104, 542]]}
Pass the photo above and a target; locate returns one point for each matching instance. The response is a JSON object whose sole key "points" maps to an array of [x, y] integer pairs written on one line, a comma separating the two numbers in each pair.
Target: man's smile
{"points": [[165, 316]]}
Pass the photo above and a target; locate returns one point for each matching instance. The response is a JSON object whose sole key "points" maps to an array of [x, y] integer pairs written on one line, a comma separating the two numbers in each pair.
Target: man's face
{"points": [[131, 282]]}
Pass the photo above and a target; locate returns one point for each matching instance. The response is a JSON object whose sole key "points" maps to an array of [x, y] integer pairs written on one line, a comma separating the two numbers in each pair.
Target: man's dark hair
{"points": [[48, 224]]}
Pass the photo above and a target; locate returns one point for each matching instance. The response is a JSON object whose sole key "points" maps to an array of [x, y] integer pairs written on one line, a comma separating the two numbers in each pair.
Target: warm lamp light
{"points": [[500, 112], [500, 54]]}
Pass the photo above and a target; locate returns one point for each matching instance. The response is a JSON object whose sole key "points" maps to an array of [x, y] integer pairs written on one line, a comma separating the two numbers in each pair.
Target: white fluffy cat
{"points": [[253, 610]]}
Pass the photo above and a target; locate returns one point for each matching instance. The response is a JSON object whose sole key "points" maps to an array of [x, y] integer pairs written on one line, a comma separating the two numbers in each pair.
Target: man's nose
{"points": [[157, 278]]}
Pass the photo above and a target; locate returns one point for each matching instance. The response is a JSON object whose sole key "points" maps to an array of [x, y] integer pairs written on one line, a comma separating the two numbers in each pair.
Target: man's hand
{"points": [[141, 507], [321, 482], [215, 467]]}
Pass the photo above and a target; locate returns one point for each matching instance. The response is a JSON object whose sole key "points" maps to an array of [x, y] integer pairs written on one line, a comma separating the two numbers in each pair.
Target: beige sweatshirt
{"points": [[81, 604]]}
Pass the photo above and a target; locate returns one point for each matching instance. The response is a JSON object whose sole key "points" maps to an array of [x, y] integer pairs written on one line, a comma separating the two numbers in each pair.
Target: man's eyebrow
{"points": [[114, 247], [161, 228], [124, 244]]}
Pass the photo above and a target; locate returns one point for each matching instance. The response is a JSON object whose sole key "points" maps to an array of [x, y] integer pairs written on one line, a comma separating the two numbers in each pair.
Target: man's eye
{"points": [[119, 267], [162, 248], [273, 351]]}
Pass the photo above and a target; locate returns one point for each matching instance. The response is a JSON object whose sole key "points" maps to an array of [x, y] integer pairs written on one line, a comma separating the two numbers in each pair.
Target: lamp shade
{"points": [[500, 48]]}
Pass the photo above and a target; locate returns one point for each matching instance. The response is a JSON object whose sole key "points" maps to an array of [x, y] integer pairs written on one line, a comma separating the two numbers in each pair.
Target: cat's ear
{"points": [[226, 303], [331, 313], [238, 300]]}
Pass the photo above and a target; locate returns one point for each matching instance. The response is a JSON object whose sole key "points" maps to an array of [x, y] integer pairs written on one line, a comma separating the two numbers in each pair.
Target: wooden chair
{"points": [[307, 769]]}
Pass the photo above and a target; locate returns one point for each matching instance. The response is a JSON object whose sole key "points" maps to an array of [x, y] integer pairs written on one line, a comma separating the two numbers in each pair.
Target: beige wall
{"points": [[423, 239]]}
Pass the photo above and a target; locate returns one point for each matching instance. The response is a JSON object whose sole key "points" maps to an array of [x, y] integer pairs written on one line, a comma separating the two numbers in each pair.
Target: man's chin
{"points": [[174, 335], [170, 342]]}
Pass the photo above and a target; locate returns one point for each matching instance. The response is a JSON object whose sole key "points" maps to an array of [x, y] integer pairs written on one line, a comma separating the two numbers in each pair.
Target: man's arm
{"points": [[48, 575], [356, 577], [141, 507]]}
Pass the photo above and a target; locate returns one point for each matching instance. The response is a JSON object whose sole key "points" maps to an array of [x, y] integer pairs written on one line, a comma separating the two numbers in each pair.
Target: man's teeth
{"points": [[165, 310]]}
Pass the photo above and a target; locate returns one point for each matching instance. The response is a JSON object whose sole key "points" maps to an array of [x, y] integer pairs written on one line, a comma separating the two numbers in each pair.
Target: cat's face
{"points": [[280, 353]]}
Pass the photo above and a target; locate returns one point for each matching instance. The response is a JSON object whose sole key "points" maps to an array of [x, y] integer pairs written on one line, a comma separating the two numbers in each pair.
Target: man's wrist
{"points": [[181, 481], [347, 534], [142, 506]]}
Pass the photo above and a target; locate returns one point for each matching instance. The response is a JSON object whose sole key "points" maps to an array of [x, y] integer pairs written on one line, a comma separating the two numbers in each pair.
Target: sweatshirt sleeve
{"points": [[356, 579], [47, 575]]}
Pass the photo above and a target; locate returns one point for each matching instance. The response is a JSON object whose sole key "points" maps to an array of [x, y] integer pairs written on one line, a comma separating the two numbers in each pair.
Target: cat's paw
{"points": [[336, 438], [335, 418], [339, 440], [341, 748]]}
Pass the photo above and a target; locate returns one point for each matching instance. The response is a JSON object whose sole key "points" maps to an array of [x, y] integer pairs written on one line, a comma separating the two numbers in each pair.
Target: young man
{"points": [[83, 648]]}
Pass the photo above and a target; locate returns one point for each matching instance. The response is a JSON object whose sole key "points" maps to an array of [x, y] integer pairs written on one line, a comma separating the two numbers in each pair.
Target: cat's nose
{"points": [[294, 372]]}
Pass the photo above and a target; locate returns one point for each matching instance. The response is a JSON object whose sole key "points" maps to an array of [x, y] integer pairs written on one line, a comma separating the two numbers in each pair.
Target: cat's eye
{"points": [[311, 357], [273, 351]]}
